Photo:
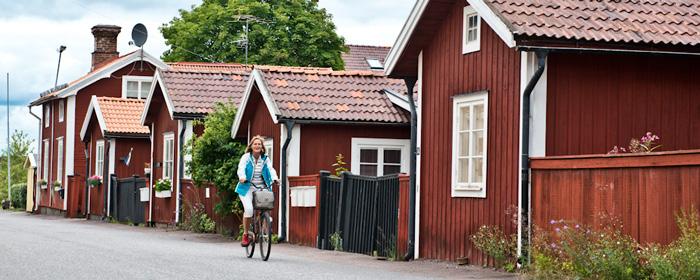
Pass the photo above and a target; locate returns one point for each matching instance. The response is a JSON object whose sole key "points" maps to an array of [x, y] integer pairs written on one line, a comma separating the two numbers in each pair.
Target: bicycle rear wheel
{"points": [[265, 236], [250, 249]]}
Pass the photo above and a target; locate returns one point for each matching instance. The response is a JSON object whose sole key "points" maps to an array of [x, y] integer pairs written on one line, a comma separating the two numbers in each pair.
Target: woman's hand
{"points": [[242, 180]]}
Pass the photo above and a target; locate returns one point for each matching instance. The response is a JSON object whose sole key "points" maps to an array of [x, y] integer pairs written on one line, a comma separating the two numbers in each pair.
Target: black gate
{"points": [[362, 210], [126, 205]]}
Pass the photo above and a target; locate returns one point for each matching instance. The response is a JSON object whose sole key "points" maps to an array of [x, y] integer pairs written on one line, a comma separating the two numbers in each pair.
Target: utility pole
{"points": [[60, 51], [9, 177]]}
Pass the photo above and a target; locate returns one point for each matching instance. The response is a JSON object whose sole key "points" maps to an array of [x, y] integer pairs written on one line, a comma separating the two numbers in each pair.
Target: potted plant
{"points": [[95, 180], [162, 188], [43, 184], [57, 185]]}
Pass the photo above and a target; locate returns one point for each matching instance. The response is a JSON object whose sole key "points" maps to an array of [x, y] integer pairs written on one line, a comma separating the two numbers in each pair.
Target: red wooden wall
{"points": [[597, 101], [644, 191], [303, 221], [193, 195], [139, 157], [446, 222]]}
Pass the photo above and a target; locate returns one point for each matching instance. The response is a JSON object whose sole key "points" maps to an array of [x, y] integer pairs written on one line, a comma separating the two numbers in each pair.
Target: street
{"points": [[45, 247]]}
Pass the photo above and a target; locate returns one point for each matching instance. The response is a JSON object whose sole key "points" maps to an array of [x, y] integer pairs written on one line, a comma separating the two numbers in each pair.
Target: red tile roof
{"points": [[208, 67], [195, 89], [334, 95], [357, 55], [122, 116], [674, 22]]}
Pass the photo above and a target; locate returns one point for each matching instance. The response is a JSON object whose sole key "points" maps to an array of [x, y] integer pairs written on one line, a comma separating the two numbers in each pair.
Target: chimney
{"points": [[105, 44]]}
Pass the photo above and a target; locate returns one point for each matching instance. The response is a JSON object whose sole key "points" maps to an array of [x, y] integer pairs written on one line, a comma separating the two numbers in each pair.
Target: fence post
{"points": [[323, 186], [344, 200]]}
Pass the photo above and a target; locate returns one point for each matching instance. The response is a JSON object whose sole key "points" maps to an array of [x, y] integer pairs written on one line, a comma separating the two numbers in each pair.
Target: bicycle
{"points": [[261, 228]]}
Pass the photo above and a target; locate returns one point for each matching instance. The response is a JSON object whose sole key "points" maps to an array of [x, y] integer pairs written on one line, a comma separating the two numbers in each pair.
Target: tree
{"points": [[288, 32], [19, 148], [215, 157]]}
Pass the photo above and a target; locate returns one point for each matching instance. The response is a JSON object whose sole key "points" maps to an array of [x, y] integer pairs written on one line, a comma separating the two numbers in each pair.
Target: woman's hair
{"points": [[249, 149]]}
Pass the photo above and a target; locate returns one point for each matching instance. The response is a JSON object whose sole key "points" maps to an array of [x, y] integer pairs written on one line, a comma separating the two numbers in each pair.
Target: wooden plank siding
{"points": [[303, 221], [445, 222], [192, 195], [633, 188], [597, 101]]}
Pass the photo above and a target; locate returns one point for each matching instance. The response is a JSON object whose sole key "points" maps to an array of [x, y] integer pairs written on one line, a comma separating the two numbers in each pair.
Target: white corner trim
{"points": [[94, 107], [256, 78], [419, 112], [157, 80], [538, 109], [70, 136], [406, 31], [523, 84], [494, 21], [112, 161], [398, 99]]}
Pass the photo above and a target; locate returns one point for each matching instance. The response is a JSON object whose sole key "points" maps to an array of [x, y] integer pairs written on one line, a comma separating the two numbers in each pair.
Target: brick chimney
{"points": [[105, 44]]}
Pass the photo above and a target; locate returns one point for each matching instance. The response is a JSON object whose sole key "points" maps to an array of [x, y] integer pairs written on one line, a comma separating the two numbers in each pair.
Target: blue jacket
{"points": [[245, 172]]}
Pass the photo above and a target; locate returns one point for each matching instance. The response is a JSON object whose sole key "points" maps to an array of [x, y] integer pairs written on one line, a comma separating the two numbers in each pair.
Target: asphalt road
{"points": [[43, 247]]}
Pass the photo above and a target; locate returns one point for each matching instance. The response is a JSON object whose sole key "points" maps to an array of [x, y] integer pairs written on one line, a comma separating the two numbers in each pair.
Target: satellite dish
{"points": [[139, 34]]}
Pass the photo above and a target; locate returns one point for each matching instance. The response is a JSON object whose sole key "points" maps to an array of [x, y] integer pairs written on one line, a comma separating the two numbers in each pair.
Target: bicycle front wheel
{"points": [[265, 236]]}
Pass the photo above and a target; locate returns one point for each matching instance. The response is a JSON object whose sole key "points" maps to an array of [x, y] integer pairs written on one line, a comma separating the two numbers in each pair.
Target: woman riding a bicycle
{"points": [[256, 167]]}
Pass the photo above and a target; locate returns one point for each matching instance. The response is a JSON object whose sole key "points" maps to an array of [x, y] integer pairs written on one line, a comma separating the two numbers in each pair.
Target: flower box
{"points": [[163, 194], [57, 188], [144, 194], [147, 171]]}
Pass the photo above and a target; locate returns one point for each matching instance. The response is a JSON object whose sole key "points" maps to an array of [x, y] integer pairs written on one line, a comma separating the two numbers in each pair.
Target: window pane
{"points": [[471, 35], [368, 169], [473, 21], [392, 156], [368, 155], [392, 169], [477, 170], [464, 118], [479, 116], [463, 144], [463, 171], [132, 89], [145, 87], [478, 148]]}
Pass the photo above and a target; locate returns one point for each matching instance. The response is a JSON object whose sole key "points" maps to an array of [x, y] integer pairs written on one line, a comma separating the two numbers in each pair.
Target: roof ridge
{"points": [[367, 46]]}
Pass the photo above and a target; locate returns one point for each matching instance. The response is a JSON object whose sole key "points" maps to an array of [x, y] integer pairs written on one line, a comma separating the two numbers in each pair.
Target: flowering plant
{"points": [[57, 183], [646, 144], [162, 185], [43, 182], [95, 180]]}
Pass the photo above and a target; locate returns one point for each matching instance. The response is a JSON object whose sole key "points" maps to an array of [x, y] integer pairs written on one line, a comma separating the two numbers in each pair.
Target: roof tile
{"points": [[122, 116], [356, 56]]}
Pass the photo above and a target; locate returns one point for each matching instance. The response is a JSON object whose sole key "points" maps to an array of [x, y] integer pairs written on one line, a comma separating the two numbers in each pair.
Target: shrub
{"points": [[494, 243], [19, 195], [681, 259], [198, 221], [336, 241]]}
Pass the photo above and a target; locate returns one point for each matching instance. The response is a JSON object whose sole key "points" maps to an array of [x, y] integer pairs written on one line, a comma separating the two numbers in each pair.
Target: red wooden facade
{"points": [[446, 222], [303, 221], [645, 191]]}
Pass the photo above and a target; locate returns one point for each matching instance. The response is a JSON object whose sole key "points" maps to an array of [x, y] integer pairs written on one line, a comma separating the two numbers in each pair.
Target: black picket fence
{"points": [[126, 205], [359, 212]]}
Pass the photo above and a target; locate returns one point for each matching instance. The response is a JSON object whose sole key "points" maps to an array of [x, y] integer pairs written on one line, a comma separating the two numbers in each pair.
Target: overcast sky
{"points": [[32, 30]]}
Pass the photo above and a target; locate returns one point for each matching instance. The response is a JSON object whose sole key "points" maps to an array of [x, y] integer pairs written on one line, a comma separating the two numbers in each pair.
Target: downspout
{"points": [[86, 150], [283, 190], [410, 83], [150, 183], [37, 190], [180, 169], [105, 174], [525, 158]]}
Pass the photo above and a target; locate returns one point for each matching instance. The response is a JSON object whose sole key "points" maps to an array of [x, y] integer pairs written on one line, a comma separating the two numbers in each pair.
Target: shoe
{"points": [[245, 241]]}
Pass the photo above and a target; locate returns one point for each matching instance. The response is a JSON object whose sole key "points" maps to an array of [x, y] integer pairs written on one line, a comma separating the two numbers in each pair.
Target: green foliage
{"points": [[19, 148], [198, 221], [215, 157], [494, 243], [163, 185], [681, 259], [19, 195], [289, 32], [339, 165], [336, 241]]}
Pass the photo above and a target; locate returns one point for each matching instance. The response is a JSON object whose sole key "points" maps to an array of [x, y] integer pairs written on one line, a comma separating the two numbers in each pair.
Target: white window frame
{"points": [[469, 189], [46, 160], [59, 163], [99, 158], [470, 46], [140, 80], [268, 143], [380, 144], [61, 110], [168, 156], [187, 155], [47, 114]]}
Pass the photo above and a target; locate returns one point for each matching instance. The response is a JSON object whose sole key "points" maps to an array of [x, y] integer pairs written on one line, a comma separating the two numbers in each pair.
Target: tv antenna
{"points": [[243, 42], [139, 35]]}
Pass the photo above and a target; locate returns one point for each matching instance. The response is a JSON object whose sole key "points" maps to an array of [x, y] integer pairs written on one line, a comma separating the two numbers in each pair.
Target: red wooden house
{"points": [[117, 145], [184, 92], [62, 157], [310, 115], [513, 93]]}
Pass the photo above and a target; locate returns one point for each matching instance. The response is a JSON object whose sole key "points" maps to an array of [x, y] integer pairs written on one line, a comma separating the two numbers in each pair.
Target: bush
{"points": [[681, 259], [494, 243], [19, 195], [198, 221]]}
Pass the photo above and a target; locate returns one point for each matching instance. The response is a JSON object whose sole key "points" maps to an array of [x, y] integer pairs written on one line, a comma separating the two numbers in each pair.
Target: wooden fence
{"points": [[644, 191]]}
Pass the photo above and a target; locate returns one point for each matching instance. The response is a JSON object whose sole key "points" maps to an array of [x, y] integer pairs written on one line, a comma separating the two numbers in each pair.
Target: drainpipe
{"points": [[150, 184], [181, 169], [283, 190], [37, 190], [86, 150], [525, 158], [410, 83]]}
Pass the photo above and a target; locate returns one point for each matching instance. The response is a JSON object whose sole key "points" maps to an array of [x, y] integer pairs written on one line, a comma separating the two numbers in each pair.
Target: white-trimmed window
{"points": [[46, 163], [378, 156], [469, 132], [136, 86], [59, 163], [269, 147], [187, 153], [168, 155], [471, 37], [61, 110], [99, 157], [47, 114]]}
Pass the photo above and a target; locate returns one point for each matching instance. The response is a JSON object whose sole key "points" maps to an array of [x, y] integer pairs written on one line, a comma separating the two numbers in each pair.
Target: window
{"points": [[45, 163], [269, 147], [59, 163], [61, 110], [100, 158], [469, 134], [136, 86], [375, 64], [168, 150], [187, 153], [471, 37], [47, 115], [379, 157]]}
